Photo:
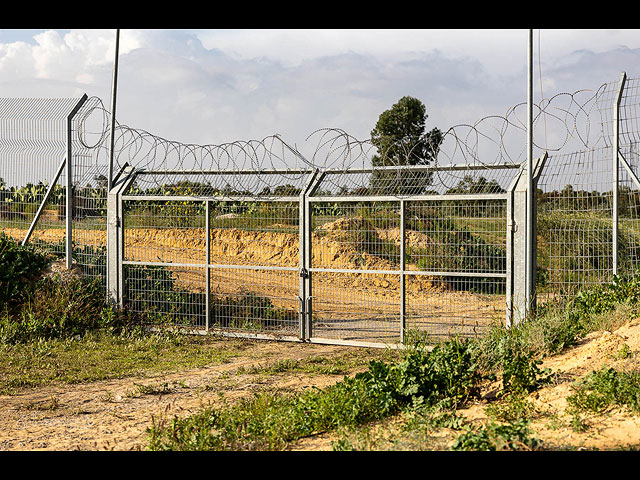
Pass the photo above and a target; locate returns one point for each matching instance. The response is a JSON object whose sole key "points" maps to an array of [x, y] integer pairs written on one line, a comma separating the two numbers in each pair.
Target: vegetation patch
{"points": [[606, 388]]}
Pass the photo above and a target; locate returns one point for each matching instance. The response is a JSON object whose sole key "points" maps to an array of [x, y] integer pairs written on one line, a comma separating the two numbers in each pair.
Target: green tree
{"points": [[400, 139]]}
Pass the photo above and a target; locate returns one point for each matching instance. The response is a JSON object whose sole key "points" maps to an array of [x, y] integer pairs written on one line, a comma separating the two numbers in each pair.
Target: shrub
{"points": [[55, 308], [19, 266], [605, 387]]}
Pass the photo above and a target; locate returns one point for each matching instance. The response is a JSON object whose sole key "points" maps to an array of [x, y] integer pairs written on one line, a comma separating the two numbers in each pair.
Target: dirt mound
{"points": [[347, 243]]}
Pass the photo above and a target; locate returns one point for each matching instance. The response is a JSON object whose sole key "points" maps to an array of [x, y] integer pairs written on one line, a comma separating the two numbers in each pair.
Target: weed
{"points": [[604, 388], [19, 266], [578, 424], [163, 389], [495, 437], [511, 408], [623, 353]]}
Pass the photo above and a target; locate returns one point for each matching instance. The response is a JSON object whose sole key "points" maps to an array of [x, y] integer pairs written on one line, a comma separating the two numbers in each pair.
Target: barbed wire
{"points": [[578, 120]]}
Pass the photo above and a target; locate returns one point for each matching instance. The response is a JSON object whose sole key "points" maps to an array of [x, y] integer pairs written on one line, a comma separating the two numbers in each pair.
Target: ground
{"points": [[114, 414]]}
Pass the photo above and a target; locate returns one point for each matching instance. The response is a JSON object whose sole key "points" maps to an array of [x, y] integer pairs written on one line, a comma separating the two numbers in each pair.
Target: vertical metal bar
{"points": [[616, 167], [509, 262], [307, 267], [113, 110], [69, 184], [112, 263], [301, 257], [120, 248], [68, 200], [403, 293], [529, 242], [207, 230]]}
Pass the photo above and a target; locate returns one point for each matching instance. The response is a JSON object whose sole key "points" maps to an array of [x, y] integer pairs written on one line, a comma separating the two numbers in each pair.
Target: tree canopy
{"points": [[400, 139]]}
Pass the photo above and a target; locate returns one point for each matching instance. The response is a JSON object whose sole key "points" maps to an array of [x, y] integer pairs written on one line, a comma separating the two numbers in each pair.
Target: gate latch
{"points": [[304, 273]]}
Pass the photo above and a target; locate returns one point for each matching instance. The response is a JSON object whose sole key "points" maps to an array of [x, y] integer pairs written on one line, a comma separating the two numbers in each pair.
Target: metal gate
{"points": [[387, 271], [316, 266]]}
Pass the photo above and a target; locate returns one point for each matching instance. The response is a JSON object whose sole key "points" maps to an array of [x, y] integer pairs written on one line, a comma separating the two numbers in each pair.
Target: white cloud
{"points": [[222, 85]]}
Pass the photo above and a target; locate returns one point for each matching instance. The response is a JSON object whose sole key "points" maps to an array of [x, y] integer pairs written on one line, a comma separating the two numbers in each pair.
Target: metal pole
{"points": [[403, 292], [113, 110], [207, 269], [529, 242], [616, 168], [69, 186], [44, 201]]}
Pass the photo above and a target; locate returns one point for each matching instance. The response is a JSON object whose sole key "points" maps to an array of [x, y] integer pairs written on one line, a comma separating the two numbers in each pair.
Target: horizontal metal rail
{"points": [[330, 171], [408, 198], [210, 265], [212, 198], [225, 172], [434, 273], [423, 168]]}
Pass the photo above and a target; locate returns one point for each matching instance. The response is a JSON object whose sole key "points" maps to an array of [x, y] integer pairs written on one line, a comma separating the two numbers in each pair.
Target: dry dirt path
{"points": [[114, 414]]}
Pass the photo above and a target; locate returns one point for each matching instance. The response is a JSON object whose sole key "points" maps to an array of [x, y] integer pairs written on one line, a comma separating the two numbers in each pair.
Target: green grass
{"points": [[101, 355]]}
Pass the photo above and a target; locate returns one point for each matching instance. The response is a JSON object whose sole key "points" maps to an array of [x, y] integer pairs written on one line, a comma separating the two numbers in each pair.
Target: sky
{"points": [[215, 86]]}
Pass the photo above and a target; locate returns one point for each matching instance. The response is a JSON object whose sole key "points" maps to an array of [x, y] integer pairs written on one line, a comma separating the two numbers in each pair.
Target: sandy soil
{"points": [[114, 414]]}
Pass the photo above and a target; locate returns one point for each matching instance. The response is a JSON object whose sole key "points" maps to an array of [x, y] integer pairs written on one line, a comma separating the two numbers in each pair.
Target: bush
{"points": [[55, 308], [19, 266]]}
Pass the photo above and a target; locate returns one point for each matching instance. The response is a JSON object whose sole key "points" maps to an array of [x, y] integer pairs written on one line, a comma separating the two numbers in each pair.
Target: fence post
{"points": [[69, 187], [616, 167], [520, 251], [115, 235], [303, 233], [403, 292], [207, 274]]}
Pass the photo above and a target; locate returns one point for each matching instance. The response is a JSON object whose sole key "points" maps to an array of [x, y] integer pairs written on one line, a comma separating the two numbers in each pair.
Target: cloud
{"points": [[220, 86]]}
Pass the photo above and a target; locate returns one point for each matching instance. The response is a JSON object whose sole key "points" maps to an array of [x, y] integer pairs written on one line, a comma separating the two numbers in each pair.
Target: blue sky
{"points": [[216, 86]]}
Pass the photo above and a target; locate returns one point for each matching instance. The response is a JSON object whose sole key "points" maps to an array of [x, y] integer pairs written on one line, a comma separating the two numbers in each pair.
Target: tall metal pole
{"points": [[530, 197], [113, 110], [616, 168]]}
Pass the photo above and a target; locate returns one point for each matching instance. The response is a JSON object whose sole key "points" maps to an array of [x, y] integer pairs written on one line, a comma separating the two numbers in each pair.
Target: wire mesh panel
{"points": [[90, 159], [574, 223], [363, 307], [253, 264], [254, 300], [164, 257], [629, 213], [166, 295], [243, 278], [352, 246], [33, 146], [454, 269], [456, 264]]}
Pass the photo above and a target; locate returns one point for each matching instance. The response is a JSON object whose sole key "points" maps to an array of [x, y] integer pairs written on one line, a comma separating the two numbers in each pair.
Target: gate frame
{"points": [[515, 198]]}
